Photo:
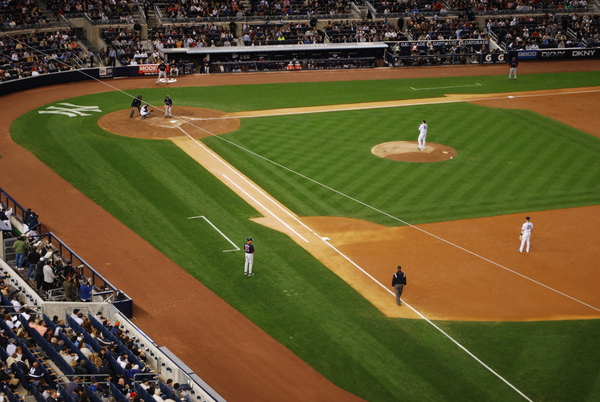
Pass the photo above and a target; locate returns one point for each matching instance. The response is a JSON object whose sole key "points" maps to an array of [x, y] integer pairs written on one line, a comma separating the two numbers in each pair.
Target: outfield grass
{"points": [[508, 161], [521, 161]]}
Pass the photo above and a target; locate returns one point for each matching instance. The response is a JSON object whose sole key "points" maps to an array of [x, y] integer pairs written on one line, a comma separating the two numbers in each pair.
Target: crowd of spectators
{"points": [[411, 7], [480, 6], [37, 353], [483, 6], [299, 7], [280, 33], [124, 45], [363, 31], [38, 52], [185, 10], [19, 13], [418, 27], [96, 9], [203, 9], [79, 357], [546, 31], [190, 36], [461, 27], [79, 346], [586, 29]]}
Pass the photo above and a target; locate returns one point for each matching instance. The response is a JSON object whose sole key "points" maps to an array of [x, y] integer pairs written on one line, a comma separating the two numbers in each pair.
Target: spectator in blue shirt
{"points": [[86, 291]]}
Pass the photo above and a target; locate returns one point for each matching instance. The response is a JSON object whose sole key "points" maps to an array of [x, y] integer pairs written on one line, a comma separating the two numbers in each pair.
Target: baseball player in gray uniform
{"points": [[168, 107], [512, 68], [526, 234], [162, 72], [422, 135], [249, 252]]}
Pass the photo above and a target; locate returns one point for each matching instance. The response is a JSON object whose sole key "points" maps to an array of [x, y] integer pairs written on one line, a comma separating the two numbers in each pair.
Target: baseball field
{"points": [[161, 207]]}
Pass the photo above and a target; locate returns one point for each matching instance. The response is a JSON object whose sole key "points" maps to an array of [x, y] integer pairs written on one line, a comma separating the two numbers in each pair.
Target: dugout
{"points": [[277, 57]]}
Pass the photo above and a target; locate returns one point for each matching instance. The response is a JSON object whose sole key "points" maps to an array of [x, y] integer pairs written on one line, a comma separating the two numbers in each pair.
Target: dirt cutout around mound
{"points": [[408, 151]]}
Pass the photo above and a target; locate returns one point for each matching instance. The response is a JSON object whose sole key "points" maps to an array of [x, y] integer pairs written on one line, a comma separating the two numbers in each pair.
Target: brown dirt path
{"points": [[236, 358]]}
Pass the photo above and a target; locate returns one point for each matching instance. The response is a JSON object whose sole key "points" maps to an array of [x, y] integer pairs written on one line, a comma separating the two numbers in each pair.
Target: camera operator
{"points": [[67, 269], [48, 275]]}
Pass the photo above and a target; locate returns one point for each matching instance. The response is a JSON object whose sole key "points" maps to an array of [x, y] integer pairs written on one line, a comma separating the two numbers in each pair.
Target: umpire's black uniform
{"points": [[136, 104], [398, 282]]}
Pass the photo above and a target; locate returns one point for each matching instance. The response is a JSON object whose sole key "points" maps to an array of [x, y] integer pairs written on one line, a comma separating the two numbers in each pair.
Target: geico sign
{"points": [[528, 54], [584, 53]]}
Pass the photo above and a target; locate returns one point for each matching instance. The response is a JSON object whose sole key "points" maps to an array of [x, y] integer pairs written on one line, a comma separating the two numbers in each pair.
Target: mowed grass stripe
{"points": [[548, 167]]}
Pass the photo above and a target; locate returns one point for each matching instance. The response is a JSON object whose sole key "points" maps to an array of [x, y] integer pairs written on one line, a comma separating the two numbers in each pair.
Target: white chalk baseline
{"points": [[217, 229]]}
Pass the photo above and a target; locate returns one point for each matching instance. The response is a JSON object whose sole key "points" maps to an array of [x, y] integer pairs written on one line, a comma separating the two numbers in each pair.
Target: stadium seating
{"points": [[546, 31]]}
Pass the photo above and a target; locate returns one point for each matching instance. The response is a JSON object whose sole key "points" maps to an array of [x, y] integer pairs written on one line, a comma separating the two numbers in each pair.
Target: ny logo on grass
{"points": [[71, 110]]}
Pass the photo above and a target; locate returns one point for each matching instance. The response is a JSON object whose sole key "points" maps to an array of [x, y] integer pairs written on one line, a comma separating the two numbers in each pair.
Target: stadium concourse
{"points": [[240, 353]]}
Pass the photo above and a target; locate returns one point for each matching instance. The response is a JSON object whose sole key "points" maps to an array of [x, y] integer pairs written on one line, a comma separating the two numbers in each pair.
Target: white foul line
{"points": [[217, 229], [267, 209], [210, 152], [453, 86]]}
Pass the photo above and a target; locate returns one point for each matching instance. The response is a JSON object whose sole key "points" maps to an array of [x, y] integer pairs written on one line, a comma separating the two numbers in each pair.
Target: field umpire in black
{"points": [[398, 282], [136, 104]]}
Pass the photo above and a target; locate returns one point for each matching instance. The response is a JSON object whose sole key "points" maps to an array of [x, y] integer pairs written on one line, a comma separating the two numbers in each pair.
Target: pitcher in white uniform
{"points": [[526, 234], [422, 135]]}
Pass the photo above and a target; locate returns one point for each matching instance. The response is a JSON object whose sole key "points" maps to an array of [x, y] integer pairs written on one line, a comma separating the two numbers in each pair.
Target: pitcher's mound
{"points": [[408, 151]]}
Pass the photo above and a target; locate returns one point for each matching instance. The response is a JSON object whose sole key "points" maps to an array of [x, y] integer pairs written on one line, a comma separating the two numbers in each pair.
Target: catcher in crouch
{"points": [[145, 111]]}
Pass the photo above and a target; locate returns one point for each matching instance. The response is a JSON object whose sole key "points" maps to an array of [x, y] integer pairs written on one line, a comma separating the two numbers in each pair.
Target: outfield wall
{"points": [[556, 54]]}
